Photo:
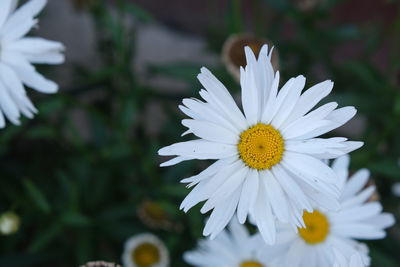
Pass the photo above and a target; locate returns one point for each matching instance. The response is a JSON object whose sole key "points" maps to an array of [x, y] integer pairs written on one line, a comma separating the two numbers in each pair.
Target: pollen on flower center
{"points": [[251, 264], [145, 255], [317, 227], [261, 146]]}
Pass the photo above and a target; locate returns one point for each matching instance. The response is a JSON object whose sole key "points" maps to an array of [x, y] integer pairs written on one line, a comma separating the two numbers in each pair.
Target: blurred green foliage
{"points": [[77, 189]]}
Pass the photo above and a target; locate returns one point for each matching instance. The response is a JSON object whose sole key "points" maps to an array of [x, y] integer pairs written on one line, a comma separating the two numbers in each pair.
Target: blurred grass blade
{"points": [[37, 196]]}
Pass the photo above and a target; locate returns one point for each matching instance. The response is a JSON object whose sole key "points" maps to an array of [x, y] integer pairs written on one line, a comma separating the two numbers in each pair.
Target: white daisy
{"points": [[236, 248], [268, 161], [355, 260], [17, 54], [145, 250], [356, 219]]}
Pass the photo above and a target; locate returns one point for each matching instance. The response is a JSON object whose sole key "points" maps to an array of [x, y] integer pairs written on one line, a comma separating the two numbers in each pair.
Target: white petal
{"points": [[211, 132], [250, 97], [231, 184], [222, 98], [358, 231], [276, 196], [309, 167], [27, 11], [248, 195], [264, 218], [270, 104], [355, 183], [288, 102], [341, 167], [221, 216], [8, 106], [5, 9], [292, 189], [309, 99], [37, 81], [16, 90], [199, 149], [203, 111], [337, 118], [209, 171]]}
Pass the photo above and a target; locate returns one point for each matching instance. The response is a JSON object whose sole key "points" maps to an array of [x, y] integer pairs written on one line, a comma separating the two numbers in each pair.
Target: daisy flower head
{"points": [[233, 248], [145, 250], [17, 54], [357, 219], [269, 161]]}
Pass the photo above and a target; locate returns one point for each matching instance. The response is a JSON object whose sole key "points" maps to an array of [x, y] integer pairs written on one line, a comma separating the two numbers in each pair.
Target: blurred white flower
{"points": [[396, 189], [236, 248], [356, 219], [17, 54], [9, 223], [269, 159], [145, 250]]}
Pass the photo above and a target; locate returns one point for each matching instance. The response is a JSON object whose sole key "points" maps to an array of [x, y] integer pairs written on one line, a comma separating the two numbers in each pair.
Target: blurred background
{"points": [[83, 176]]}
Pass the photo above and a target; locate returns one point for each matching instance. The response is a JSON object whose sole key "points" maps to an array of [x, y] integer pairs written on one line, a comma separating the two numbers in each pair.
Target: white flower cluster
{"points": [[272, 167]]}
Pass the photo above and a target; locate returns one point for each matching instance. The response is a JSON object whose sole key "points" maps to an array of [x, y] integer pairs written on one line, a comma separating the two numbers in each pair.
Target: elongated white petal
{"points": [[287, 101], [276, 196], [337, 118], [231, 184], [222, 98], [309, 99], [221, 216], [269, 107], [264, 217], [355, 183], [36, 81], [8, 106], [199, 149], [248, 195], [25, 12], [5, 9], [211, 132]]}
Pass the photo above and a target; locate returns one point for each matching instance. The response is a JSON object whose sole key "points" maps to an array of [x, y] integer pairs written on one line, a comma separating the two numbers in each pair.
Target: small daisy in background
{"points": [[233, 248], [357, 219], [269, 160], [356, 260], [145, 250], [100, 264], [9, 223], [233, 55], [17, 54], [154, 215]]}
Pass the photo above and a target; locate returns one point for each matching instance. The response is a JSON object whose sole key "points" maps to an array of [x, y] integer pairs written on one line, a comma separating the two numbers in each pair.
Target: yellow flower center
{"points": [[251, 264], [145, 255], [261, 146], [317, 227]]}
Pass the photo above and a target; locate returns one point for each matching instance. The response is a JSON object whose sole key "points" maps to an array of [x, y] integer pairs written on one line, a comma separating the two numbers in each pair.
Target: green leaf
{"points": [[76, 219], [387, 167], [44, 237], [183, 71], [37, 196]]}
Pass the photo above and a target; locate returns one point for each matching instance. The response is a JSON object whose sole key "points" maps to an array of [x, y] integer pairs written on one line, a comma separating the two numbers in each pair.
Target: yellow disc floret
{"points": [[261, 146], [251, 264], [146, 255], [317, 227]]}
